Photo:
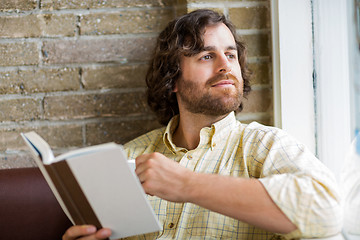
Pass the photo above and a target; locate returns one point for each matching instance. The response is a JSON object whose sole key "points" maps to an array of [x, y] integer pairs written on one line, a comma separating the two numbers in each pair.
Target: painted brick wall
{"points": [[73, 70]]}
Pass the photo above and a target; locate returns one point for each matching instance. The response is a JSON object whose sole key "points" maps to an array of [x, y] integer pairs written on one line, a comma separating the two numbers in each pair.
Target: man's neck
{"points": [[187, 134]]}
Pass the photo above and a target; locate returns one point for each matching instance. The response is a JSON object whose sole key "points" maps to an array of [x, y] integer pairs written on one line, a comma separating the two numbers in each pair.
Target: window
{"points": [[293, 69], [316, 59], [311, 75]]}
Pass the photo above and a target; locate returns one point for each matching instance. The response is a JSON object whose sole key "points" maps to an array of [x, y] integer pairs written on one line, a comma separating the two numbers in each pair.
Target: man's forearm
{"points": [[241, 198], [244, 199]]}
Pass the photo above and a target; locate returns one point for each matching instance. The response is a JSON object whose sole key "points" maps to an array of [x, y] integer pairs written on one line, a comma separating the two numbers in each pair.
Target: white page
{"points": [[122, 204], [86, 150]]}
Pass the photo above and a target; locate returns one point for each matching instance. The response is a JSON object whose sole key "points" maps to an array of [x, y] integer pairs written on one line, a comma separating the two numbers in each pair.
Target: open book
{"points": [[96, 185]]}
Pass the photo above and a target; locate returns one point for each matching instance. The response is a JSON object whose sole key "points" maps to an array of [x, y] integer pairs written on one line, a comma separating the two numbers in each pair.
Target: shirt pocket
{"points": [[211, 225]]}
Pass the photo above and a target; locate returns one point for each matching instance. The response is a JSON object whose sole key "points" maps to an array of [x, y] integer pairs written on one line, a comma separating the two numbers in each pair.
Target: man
{"points": [[207, 175]]}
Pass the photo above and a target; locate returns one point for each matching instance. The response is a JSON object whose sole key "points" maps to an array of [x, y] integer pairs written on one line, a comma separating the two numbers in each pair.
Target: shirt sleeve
{"points": [[299, 184]]}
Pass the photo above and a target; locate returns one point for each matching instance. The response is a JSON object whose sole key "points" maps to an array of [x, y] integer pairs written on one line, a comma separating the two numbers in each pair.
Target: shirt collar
{"points": [[169, 131], [207, 135]]}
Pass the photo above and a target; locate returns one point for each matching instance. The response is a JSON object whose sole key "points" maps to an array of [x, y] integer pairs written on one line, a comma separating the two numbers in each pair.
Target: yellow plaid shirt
{"points": [[301, 186]]}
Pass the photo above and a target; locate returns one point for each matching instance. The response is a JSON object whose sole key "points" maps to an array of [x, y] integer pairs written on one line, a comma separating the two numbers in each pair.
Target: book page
{"points": [[86, 150], [114, 192], [38, 147]]}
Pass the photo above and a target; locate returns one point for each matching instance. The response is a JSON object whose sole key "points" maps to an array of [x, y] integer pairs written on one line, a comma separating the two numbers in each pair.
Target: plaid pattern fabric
{"points": [[297, 182]]}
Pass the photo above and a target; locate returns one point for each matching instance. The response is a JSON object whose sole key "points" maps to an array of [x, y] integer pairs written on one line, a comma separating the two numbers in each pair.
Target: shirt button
{"points": [[171, 225], [214, 145], [189, 157]]}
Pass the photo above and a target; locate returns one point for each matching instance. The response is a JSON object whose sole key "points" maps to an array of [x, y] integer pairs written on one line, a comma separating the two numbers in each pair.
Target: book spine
{"points": [[72, 194]]}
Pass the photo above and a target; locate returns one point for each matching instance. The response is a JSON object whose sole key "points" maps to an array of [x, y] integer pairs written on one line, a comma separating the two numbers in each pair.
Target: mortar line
{"points": [[50, 122], [72, 93], [82, 11], [81, 37], [70, 65]]}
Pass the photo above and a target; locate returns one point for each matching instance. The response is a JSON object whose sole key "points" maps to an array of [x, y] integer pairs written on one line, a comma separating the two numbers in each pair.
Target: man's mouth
{"points": [[223, 80], [223, 83]]}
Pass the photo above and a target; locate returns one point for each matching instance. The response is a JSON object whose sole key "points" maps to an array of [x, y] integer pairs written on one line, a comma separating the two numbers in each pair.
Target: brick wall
{"points": [[73, 70]]}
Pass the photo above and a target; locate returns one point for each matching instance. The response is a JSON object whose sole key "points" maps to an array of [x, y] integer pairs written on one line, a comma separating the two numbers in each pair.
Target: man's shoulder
{"points": [[256, 133], [255, 130], [255, 127]]}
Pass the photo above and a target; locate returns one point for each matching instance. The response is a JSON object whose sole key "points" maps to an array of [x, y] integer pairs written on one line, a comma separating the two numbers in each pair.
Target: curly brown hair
{"points": [[183, 37]]}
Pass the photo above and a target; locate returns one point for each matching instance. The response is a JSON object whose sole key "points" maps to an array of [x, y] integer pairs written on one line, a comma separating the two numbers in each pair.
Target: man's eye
{"points": [[231, 56], [206, 57]]}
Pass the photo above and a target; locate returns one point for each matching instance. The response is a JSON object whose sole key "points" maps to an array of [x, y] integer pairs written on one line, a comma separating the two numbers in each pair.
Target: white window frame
{"points": [[326, 133], [334, 120], [293, 68]]}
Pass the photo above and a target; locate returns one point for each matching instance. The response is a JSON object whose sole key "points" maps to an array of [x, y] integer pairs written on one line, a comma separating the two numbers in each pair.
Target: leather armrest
{"points": [[28, 208]]}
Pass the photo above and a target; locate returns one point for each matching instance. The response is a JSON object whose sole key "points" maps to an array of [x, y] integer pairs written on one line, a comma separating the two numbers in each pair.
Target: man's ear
{"points": [[175, 89]]}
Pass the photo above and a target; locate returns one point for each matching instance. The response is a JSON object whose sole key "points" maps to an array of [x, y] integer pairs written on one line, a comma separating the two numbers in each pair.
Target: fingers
{"points": [[86, 232], [145, 157], [157, 173], [148, 169], [103, 233], [146, 161], [75, 232]]}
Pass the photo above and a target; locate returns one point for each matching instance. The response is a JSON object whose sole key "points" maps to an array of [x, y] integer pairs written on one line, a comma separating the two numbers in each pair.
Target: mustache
{"points": [[222, 76]]}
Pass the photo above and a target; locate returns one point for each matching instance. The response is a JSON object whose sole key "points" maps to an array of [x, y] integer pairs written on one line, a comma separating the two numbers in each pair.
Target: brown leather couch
{"points": [[28, 208]]}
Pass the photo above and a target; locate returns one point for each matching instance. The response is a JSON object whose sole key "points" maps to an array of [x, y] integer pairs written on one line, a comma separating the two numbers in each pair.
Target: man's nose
{"points": [[224, 65]]}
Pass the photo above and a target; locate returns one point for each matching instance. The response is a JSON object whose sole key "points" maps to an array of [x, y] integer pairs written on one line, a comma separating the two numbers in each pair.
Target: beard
{"points": [[208, 101]]}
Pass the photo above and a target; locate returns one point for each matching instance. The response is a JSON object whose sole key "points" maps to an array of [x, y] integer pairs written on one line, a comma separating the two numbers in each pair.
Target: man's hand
{"points": [[241, 198], [163, 177], [86, 232]]}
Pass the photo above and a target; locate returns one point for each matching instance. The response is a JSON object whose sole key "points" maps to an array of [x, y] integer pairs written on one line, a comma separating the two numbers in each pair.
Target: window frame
{"points": [[300, 36], [292, 83]]}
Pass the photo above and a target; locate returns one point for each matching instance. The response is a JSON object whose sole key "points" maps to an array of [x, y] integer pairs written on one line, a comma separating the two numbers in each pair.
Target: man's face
{"points": [[211, 81]]}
